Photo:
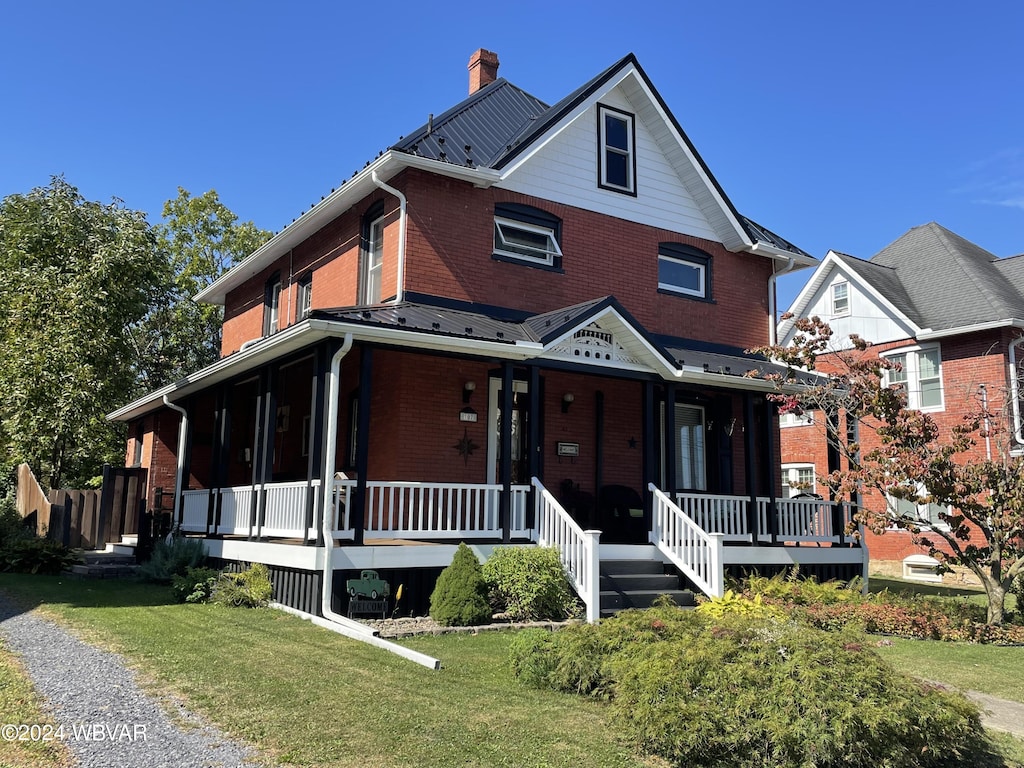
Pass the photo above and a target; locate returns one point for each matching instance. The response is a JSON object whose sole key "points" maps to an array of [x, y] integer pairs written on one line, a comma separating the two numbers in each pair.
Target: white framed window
{"points": [[918, 371], [617, 154], [272, 307], [691, 462], [373, 262], [796, 419], [684, 270], [304, 304], [925, 515], [797, 479], [841, 298], [526, 242]]}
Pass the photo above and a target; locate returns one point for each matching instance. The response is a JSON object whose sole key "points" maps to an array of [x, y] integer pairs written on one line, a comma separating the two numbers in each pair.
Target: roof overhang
{"points": [[1010, 322], [351, 191]]}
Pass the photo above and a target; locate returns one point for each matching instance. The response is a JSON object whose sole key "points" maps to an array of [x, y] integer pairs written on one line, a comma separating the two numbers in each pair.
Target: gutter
{"points": [[180, 471], [402, 202], [335, 621], [773, 330], [1011, 322]]}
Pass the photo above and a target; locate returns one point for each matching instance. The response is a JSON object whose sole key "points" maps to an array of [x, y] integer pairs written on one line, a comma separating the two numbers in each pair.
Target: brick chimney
{"points": [[483, 69]]}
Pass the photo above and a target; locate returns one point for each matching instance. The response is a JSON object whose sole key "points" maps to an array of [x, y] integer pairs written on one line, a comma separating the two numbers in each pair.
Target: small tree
{"points": [[460, 595], [980, 502]]}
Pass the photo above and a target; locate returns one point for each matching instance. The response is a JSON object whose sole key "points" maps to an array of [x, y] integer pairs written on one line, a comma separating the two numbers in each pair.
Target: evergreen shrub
{"points": [[529, 583], [173, 558], [250, 588], [459, 598], [752, 692]]}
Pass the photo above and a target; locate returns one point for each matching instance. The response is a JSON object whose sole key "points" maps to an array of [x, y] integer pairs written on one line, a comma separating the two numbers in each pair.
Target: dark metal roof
{"points": [[764, 235], [745, 365], [427, 318], [479, 129]]}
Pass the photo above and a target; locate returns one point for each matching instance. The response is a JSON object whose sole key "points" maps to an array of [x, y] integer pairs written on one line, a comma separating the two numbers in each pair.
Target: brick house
{"points": [[523, 323], [952, 314]]}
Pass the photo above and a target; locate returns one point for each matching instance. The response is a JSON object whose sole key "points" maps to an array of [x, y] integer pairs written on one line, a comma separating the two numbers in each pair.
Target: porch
{"points": [[698, 534]]}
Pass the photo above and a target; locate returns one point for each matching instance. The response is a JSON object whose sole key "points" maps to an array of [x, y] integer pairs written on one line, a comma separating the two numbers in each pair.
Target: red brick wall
{"points": [[159, 451], [448, 253], [967, 362]]}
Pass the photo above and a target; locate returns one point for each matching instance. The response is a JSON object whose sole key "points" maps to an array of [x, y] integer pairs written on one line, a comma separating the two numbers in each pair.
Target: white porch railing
{"points": [[285, 511], [694, 551], [194, 508], [235, 508], [578, 549], [799, 520]]}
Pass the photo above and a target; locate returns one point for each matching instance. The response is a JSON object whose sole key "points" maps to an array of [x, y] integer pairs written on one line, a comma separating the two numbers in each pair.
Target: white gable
{"points": [[868, 315], [564, 170]]}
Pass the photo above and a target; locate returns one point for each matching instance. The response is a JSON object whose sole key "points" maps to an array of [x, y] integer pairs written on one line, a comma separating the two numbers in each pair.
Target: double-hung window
{"points": [[527, 235], [840, 298], [617, 158], [797, 479], [272, 305], [791, 419], [916, 511], [918, 372], [684, 270], [305, 299], [371, 260]]}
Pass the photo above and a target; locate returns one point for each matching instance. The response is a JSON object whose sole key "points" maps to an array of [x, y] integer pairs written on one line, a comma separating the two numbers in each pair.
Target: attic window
{"points": [[617, 156], [841, 298], [526, 234]]}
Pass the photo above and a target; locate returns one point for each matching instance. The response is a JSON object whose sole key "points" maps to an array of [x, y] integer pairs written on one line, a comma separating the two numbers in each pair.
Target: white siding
{"points": [[565, 171], [867, 317]]}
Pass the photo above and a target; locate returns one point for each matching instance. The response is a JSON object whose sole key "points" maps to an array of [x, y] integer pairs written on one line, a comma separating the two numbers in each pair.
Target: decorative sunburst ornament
{"points": [[465, 446]]}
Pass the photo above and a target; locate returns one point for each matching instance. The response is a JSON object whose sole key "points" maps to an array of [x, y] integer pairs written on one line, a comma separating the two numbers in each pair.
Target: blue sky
{"points": [[838, 125]]}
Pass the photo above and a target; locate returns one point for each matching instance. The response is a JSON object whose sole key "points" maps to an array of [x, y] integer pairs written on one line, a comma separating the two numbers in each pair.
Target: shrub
{"points": [[196, 586], [250, 588], [529, 584], [174, 558], [731, 604], [12, 526], [754, 692], [35, 555], [460, 595]]}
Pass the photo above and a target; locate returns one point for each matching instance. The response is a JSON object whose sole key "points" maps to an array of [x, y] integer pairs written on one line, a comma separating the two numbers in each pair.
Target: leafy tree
{"points": [[202, 239], [75, 276], [979, 501]]}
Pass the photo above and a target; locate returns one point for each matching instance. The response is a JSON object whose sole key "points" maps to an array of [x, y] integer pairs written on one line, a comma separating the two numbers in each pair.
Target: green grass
{"points": [[19, 705], [310, 697], [974, 595]]}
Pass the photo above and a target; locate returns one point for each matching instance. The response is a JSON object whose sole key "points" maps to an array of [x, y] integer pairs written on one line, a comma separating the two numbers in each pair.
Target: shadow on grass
{"points": [[878, 584], [21, 593]]}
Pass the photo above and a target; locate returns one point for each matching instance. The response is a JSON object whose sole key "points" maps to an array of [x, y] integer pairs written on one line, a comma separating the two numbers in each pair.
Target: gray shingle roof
{"points": [[942, 281]]}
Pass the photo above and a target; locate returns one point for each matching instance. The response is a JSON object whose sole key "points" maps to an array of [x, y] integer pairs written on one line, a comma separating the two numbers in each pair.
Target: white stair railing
{"points": [[691, 549], [578, 549]]}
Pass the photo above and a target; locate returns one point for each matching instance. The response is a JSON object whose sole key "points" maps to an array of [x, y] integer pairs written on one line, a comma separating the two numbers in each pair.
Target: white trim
{"points": [[702, 276], [1010, 322], [912, 384], [550, 253], [845, 284], [791, 471], [603, 111], [493, 393]]}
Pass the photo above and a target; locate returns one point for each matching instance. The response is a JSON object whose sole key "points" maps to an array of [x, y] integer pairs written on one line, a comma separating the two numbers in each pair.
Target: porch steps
{"points": [[116, 561], [637, 584]]}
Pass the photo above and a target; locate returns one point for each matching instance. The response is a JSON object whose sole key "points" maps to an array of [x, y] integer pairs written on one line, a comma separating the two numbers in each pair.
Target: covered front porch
{"points": [[430, 426]]}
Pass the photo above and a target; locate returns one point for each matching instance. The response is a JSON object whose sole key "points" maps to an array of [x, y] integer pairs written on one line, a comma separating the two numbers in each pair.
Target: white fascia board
{"points": [[323, 213], [779, 254], [1010, 322], [693, 375]]}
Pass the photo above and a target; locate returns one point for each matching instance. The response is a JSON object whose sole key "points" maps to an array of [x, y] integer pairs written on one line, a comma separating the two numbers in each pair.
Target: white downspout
{"points": [[338, 623], [1015, 393], [400, 291], [178, 475], [773, 331]]}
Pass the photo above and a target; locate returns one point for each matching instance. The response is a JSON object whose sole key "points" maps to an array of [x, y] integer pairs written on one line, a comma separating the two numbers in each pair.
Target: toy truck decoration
{"points": [[369, 584]]}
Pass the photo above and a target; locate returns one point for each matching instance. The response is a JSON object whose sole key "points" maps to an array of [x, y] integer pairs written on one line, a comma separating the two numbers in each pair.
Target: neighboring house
{"points": [[519, 322], [952, 315]]}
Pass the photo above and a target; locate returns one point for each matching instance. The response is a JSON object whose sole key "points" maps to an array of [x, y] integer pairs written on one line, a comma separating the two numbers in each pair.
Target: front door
{"points": [[520, 432]]}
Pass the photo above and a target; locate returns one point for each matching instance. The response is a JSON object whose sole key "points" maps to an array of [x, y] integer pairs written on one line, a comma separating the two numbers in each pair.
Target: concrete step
{"points": [[617, 567], [108, 557], [102, 571]]}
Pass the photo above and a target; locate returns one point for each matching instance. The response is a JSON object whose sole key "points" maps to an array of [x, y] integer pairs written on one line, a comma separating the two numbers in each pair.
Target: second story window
{"points": [[617, 154], [304, 302], [841, 298], [919, 373], [371, 262], [684, 270], [272, 305], [526, 234]]}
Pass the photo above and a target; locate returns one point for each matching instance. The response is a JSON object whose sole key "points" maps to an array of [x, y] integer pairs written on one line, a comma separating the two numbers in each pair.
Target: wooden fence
{"points": [[87, 519]]}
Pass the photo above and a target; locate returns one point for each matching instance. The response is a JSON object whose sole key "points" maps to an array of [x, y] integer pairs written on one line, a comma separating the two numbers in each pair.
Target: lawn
{"points": [[305, 696], [20, 705], [310, 697]]}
